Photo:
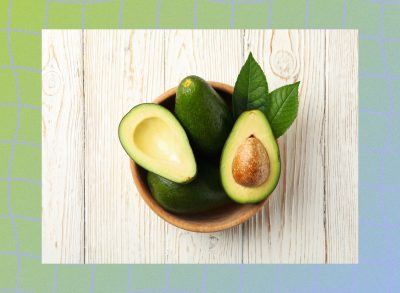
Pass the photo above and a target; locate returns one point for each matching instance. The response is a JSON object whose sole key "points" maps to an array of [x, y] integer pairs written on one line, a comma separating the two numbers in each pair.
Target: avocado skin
{"points": [[204, 193], [204, 115]]}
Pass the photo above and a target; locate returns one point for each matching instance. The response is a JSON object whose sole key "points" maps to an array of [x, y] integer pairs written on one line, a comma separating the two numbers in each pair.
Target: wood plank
{"points": [[122, 68], [341, 146], [214, 55], [143, 81], [62, 147], [290, 229], [105, 200]]}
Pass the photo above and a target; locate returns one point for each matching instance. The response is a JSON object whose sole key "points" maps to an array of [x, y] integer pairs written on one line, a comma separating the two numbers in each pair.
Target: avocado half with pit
{"points": [[250, 162], [154, 139]]}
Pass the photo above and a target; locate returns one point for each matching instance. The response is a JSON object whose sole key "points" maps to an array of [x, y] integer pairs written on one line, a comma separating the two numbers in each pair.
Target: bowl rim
{"points": [[177, 220]]}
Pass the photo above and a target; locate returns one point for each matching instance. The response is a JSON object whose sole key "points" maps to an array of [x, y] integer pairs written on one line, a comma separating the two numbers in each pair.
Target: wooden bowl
{"points": [[211, 221]]}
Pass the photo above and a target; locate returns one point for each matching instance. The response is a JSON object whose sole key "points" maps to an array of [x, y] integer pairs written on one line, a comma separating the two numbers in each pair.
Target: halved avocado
{"points": [[250, 162], [155, 140]]}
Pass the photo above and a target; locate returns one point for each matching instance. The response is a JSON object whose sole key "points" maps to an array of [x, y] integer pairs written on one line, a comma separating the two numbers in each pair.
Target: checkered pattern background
{"points": [[21, 22]]}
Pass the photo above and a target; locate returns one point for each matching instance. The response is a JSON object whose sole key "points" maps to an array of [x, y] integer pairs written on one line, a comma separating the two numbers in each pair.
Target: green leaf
{"points": [[281, 108], [251, 88]]}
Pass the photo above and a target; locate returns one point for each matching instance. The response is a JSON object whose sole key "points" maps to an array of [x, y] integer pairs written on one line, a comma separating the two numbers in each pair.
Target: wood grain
{"points": [[62, 147], [341, 146], [290, 229], [105, 204], [143, 81], [92, 211], [119, 227]]}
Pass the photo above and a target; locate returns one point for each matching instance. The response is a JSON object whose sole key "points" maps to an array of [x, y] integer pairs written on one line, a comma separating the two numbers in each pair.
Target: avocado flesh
{"points": [[204, 193], [250, 124], [204, 115], [155, 140]]}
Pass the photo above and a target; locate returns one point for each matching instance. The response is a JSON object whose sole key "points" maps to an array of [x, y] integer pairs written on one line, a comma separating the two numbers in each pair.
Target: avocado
{"points": [[250, 162], [204, 115], [204, 193], [154, 139]]}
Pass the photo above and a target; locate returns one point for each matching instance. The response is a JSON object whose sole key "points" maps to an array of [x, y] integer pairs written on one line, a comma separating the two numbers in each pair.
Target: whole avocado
{"points": [[204, 193], [204, 115]]}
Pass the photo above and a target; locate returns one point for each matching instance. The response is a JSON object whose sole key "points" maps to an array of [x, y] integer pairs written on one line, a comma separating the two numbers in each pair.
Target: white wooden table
{"points": [[92, 212]]}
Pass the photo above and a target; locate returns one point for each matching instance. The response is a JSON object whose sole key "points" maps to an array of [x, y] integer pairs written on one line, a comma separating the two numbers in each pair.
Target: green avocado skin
{"points": [[204, 193], [204, 115]]}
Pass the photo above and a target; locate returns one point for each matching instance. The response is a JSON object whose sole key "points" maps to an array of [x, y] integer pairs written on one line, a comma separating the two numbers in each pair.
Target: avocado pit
{"points": [[251, 165]]}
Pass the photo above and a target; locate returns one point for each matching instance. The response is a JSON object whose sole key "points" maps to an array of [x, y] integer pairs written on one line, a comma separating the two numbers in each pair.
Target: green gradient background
{"points": [[20, 144]]}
